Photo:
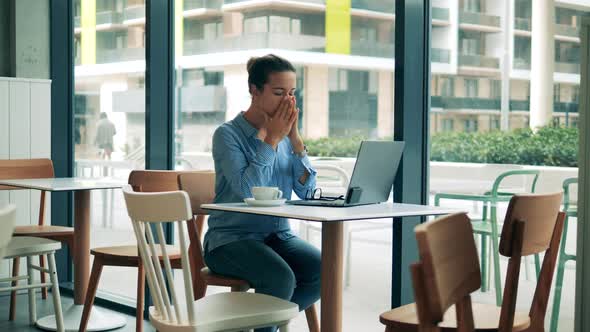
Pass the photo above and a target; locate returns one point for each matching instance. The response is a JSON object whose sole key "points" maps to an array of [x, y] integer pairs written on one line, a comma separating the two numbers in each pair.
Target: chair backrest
{"points": [[448, 270], [527, 176], [27, 169], [533, 224], [153, 180], [7, 222], [570, 193], [148, 213], [200, 186]]}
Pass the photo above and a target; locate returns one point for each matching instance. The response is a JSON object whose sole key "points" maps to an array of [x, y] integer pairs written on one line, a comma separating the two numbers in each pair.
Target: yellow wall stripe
{"points": [[338, 26], [178, 28], [88, 36]]}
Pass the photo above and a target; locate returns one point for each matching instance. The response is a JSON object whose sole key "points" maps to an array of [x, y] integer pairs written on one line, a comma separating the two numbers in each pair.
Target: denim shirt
{"points": [[243, 161]]}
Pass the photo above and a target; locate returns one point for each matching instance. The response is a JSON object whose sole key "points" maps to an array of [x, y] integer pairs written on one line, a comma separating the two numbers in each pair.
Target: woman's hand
{"points": [[281, 123], [294, 137]]}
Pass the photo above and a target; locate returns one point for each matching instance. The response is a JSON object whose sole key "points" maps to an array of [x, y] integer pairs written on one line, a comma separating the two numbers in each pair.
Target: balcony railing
{"points": [[522, 23], [520, 63], [256, 41], [208, 98], [440, 55], [196, 4], [108, 17], [134, 12], [567, 30], [479, 19], [119, 54], [441, 14], [494, 104], [567, 67], [478, 61], [385, 6], [372, 49], [319, 2]]}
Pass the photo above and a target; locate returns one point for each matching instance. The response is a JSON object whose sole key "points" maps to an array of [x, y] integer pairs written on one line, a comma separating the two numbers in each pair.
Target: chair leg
{"points": [[31, 281], [312, 319], [484, 262], [42, 265], [91, 292], [15, 268], [559, 280], [140, 298], [55, 293], [496, 256]]}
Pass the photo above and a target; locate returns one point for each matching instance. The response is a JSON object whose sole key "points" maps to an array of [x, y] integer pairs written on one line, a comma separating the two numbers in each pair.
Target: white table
{"points": [[81, 187], [332, 219]]}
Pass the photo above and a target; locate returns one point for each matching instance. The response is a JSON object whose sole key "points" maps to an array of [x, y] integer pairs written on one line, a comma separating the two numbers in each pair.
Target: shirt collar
{"points": [[245, 126]]}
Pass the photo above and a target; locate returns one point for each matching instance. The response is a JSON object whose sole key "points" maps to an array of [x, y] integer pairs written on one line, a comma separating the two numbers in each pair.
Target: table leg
{"points": [[82, 244], [99, 319], [331, 294]]}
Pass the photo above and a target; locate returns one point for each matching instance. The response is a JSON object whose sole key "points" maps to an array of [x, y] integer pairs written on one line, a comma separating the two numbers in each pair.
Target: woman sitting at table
{"points": [[262, 147]]}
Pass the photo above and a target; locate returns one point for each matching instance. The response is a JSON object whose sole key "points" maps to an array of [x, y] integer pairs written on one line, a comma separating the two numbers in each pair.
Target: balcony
{"points": [[473, 18], [134, 13], [256, 41], [521, 23], [119, 55], [109, 17], [197, 4], [440, 14], [471, 60], [440, 55], [567, 67], [372, 49], [210, 98], [567, 30], [384, 6]]}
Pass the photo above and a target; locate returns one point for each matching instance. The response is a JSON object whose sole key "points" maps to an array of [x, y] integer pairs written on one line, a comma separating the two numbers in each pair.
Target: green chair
{"points": [[571, 210], [489, 227]]}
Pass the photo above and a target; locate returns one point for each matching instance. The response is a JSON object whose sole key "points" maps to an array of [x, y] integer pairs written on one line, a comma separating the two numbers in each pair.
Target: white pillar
{"points": [[542, 62], [235, 80], [385, 104], [316, 110]]}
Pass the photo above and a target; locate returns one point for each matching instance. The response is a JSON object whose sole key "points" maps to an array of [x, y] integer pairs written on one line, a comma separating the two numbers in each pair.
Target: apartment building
{"points": [[344, 54]]}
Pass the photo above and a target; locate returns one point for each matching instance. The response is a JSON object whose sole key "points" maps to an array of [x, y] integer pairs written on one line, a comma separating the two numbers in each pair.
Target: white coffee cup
{"points": [[266, 193]]}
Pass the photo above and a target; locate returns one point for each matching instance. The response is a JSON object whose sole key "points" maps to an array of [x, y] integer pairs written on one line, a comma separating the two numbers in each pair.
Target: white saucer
{"points": [[270, 202]]}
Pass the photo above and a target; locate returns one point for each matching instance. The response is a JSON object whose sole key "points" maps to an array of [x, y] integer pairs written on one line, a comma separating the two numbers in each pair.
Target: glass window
{"points": [[109, 119], [471, 87]]}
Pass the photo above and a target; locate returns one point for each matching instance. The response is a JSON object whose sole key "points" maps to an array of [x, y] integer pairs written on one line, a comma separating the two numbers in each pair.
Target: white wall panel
{"points": [[41, 120], [4, 120], [20, 120]]}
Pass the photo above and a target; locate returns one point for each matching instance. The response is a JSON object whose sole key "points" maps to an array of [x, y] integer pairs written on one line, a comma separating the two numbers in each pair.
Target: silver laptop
{"points": [[372, 177]]}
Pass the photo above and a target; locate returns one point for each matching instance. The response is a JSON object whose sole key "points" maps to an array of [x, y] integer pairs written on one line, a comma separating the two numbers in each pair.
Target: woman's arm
{"points": [[235, 166]]}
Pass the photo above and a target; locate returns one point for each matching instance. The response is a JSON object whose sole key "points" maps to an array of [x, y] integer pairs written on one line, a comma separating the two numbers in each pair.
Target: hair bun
{"points": [[251, 62]]}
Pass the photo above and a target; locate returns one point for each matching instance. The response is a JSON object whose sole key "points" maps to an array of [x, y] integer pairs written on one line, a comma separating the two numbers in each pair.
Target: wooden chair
{"points": [[200, 187], [219, 312], [144, 181], [34, 169], [533, 224], [29, 247]]}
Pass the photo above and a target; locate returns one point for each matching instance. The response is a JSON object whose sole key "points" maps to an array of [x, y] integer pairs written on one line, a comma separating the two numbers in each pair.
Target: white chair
{"points": [[218, 312], [29, 247]]}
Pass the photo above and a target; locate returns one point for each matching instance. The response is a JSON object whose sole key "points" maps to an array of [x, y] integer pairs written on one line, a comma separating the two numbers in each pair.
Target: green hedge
{"points": [[549, 146]]}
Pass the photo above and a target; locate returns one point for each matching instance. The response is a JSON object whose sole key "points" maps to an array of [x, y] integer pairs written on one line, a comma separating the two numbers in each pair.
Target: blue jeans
{"points": [[287, 269]]}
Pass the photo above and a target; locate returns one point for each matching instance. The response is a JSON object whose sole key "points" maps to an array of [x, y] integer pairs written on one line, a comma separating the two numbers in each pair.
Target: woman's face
{"points": [[279, 85]]}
